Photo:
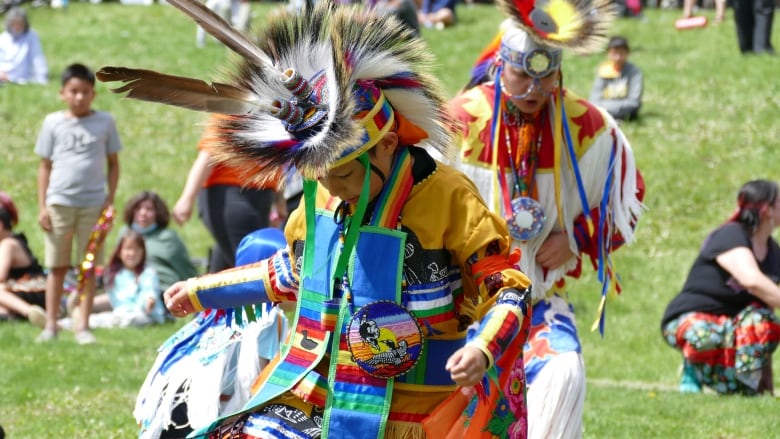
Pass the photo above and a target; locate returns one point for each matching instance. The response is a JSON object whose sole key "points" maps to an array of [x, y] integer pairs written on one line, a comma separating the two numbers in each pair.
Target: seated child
{"points": [[619, 85], [132, 287]]}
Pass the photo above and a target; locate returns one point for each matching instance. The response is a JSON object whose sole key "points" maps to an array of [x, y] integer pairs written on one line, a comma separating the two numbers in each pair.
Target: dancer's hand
{"points": [[467, 366], [554, 251], [177, 300]]}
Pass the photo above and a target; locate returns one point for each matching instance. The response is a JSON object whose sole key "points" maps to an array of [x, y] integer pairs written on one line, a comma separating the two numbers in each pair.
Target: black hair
{"points": [[618, 42], [77, 70], [5, 218], [753, 199], [9, 216]]}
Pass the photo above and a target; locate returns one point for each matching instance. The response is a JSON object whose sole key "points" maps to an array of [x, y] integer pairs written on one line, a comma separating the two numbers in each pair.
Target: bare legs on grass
{"points": [[54, 290]]}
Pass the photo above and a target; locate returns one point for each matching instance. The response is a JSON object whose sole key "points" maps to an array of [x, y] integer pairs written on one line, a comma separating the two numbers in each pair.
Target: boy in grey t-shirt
{"points": [[619, 85], [79, 161]]}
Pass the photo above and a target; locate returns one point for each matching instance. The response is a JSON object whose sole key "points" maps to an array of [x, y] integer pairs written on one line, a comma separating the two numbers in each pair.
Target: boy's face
{"points": [[618, 55], [346, 181], [78, 94], [517, 82]]}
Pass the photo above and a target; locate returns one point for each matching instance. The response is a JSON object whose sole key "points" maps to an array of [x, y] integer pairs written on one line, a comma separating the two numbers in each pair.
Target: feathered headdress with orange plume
{"points": [[578, 25], [317, 89]]}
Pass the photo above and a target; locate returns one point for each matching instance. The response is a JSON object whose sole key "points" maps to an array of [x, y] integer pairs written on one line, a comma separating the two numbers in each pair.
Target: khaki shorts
{"points": [[68, 222]]}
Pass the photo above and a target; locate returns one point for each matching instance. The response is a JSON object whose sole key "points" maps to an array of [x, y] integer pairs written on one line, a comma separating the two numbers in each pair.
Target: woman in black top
{"points": [[22, 282], [723, 321]]}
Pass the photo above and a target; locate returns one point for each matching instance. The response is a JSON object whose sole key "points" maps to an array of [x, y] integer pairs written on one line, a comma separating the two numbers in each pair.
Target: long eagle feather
{"points": [[221, 30], [181, 91], [345, 46]]}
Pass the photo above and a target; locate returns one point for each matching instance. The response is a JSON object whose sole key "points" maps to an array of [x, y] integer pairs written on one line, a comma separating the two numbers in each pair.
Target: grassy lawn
{"points": [[709, 123]]}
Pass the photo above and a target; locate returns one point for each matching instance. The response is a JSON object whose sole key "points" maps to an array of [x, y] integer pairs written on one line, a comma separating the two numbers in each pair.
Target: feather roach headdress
{"points": [[578, 25], [318, 89], [536, 31]]}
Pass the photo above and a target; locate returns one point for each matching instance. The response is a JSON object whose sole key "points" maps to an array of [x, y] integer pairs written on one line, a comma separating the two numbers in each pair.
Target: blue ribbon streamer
{"points": [[603, 253]]}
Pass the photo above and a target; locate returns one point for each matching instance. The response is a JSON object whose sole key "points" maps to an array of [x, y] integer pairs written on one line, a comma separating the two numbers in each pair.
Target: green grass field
{"points": [[709, 124]]}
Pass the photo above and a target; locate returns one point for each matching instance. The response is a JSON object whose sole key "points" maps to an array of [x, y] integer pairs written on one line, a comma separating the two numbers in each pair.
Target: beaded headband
{"points": [[520, 51]]}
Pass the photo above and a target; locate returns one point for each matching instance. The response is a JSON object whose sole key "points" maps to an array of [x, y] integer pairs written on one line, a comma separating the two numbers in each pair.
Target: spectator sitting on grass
{"points": [[22, 281], [132, 287], [147, 214], [21, 56], [619, 85], [436, 13]]}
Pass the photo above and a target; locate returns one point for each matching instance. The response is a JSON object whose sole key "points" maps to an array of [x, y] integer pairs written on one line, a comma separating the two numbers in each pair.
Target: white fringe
{"points": [[203, 399], [177, 377], [203, 369], [625, 206], [156, 401], [145, 408], [556, 399], [222, 365], [244, 370], [250, 362]]}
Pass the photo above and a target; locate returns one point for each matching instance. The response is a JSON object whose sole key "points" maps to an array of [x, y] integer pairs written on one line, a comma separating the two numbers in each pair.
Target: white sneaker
{"points": [[46, 335], [85, 337], [37, 316]]}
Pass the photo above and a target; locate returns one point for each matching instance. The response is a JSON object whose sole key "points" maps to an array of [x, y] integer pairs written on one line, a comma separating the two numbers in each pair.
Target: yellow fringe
{"points": [[404, 430], [602, 304]]}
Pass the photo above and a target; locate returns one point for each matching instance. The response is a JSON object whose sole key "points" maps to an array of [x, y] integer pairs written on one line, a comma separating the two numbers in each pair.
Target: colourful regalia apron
{"points": [[349, 306]]}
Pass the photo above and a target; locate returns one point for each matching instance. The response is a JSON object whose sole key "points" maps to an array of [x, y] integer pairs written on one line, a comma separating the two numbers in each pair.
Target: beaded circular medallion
{"points": [[527, 218], [384, 338]]}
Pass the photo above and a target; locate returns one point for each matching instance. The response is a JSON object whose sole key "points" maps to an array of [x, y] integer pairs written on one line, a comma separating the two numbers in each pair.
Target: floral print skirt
{"points": [[727, 353]]}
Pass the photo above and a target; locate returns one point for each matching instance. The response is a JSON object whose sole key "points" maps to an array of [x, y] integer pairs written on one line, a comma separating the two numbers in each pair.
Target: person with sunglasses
{"points": [[562, 174]]}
